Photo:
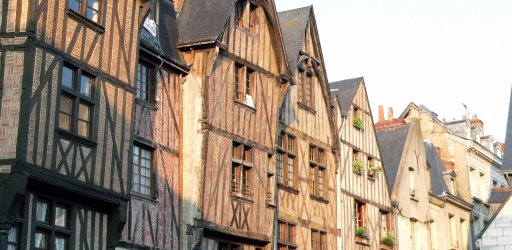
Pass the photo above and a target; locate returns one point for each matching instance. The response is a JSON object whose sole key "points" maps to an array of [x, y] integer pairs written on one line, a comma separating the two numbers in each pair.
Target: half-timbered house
{"points": [[67, 92], [306, 149], [155, 205], [238, 75], [364, 202]]}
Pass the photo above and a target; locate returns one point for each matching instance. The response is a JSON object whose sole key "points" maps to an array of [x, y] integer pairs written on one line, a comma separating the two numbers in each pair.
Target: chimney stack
{"points": [[390, 113], [381, 113]]}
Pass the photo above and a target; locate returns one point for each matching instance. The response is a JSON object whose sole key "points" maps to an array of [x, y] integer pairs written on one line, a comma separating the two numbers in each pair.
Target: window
{"points": [[464, 234], [13, 237], [247, 16], [286, 160], [317, 171], [145, 78], [384, 224], [359, 214], [453, 231], [414, 232], [318, 240], [142, 170], [305, 86], [87, 8], [429, 178], [52, 225], [242, 162], [229, 246], [287, 236], [433, 235], [412, 182], [76, 102], [244, 84]]}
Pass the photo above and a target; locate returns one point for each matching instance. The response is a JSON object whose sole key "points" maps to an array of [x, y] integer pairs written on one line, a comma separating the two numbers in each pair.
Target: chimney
{"points": [[381, 113], [390, 113], [475, 121]]}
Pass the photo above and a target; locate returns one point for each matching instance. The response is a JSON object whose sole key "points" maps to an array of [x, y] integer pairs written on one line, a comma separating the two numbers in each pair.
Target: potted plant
{"points": [[361, 235], [373, 171], [387, 242], [357, 166], [358, 123]]}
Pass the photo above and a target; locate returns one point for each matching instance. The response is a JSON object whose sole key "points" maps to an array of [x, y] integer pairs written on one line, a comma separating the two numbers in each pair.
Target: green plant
{"points": [[388, 240], [357, 166], [358, 123], [362, 233], [374, 170]]}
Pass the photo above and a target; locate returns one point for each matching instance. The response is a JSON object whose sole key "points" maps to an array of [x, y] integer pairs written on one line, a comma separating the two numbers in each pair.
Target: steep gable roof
{"points": [[203, 20], [346, 90], [166, 40], [507, 156], [392, 142], [438, 185], [293, 25], [499, 195]]}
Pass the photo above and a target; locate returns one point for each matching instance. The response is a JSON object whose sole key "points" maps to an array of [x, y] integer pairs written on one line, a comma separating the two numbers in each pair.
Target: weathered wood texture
{"points": [[373, 192], [310, 127]]}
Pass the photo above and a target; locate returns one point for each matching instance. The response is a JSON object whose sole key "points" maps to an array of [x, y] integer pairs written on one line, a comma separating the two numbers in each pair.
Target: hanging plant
{"points": [[362, 233], [358, 123], [357, 166], [373, 171], [389, 240]]}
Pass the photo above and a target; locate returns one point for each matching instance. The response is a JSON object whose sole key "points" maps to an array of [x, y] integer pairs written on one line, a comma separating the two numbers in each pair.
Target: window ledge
{"points": [[241, 198], [287, 188], [243, 105], [361, 241], [144, 197], [319, 199], [93, 25], [372, 178], [307, 108], [414, 199], [82, 140]]}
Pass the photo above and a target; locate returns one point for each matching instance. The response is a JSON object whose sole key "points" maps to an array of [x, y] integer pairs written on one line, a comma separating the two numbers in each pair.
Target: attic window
{"points": [[305, 87], [246, 16]]}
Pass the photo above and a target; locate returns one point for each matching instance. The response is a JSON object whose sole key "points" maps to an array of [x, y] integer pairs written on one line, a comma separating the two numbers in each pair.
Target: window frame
{"points": [[317, 172], [151, 83], [321, 239], [83, 9], [78, 98], [244, 85], [306, 84], [284, 154], [241, 169], [246, 16], [359, 214], [152, 184], [289, 230], [49, 227]]}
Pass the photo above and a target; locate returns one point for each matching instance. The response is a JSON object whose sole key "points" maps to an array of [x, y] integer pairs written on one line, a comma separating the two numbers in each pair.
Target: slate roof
{"points": [[165, 43], [345, 90], [392, 142], [293, 26], [499, 196], [437, 168], [203, 20], [507, 156]]}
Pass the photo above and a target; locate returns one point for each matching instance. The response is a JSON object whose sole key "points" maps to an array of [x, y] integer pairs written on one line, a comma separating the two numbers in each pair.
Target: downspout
{"points": [[276, 210], [344, 115]]}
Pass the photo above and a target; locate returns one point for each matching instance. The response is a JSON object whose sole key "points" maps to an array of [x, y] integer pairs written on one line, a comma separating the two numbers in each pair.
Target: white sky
{"points": [[438, 53]]}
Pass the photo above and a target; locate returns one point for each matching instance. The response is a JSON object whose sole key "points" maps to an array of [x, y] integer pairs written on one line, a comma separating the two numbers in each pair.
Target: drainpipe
{"points": [[395, 205]]}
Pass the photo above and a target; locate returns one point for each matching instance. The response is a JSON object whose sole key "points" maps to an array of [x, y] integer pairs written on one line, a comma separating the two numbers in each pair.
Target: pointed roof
{"points": [[346, 90], [499, 195], [392, 141], [507, 156], [293, 25], [438, 185], [166, 40], [203, 20]]}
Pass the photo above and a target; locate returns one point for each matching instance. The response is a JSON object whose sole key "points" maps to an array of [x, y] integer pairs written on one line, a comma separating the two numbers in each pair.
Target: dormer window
{"points": [[244, 85], [412, 182]]}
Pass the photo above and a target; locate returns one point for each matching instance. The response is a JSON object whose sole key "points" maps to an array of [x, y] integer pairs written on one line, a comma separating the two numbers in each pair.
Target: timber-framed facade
{"points": [[69, 86], [307, 143], [238, 76], [365, 210]]}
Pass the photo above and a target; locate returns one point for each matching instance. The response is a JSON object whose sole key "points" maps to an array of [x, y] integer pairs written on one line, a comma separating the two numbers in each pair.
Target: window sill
{"points": [[385, 247], [372, 178], [243, 105], [356, 173], [143, 197], [287, 188], [307, 108], [241, 198], [82, 140], [361, 241], [247, 32], [319, 199], [414, 198], [93, 25], [150, 105]]}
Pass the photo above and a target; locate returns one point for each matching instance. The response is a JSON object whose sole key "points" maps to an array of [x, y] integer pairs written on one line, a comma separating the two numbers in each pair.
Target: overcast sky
{"points": [[434, 52]]}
